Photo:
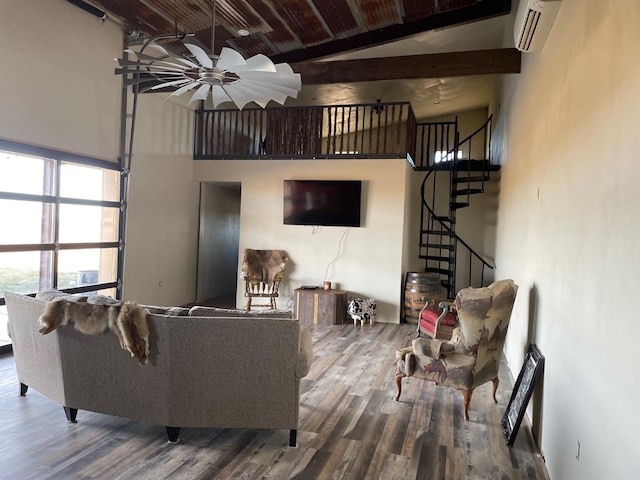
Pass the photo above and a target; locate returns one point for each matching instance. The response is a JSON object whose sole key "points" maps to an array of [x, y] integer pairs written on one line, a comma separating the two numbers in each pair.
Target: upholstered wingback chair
{"points": [[262, 275], [472, 356]]}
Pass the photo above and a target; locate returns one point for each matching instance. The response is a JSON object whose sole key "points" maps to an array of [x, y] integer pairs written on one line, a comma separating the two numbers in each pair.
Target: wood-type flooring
{"points": [[350, 428]]}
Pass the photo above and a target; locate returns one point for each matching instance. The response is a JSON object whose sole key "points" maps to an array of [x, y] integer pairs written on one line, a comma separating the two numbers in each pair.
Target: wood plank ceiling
{"points": [[295, 31]]}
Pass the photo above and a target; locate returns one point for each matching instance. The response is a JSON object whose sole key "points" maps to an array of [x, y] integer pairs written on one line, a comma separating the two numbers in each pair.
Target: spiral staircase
{"points": [[454, 175]]}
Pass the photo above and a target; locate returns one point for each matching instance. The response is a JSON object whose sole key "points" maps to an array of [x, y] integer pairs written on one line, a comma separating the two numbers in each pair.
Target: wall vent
{"points": [[533, 23]]}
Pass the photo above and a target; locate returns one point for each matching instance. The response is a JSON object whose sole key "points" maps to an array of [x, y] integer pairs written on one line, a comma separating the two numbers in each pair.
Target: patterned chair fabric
{"points": [[472, 356]]}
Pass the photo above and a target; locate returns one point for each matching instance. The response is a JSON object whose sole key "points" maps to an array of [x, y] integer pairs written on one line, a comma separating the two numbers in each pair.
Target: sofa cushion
{"points": [[198, 311], [170, 311], [53, 294]]}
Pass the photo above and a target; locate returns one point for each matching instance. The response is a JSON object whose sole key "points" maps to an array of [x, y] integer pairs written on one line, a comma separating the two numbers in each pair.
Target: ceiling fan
{"points": [[227, 77]]}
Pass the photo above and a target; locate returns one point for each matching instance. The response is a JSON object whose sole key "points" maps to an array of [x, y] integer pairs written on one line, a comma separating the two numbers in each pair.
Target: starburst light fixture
{"points": [[227, 77]]}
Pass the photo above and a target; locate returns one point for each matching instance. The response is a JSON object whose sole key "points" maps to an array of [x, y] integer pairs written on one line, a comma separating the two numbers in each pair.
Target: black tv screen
{"points": [[322, 202]]}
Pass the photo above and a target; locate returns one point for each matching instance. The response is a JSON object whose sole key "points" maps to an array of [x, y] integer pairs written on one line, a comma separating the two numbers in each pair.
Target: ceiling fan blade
{"points": [[229, 58], [158, 48], [219, 96], [200, 55], [137, 80], [201, 93], [237, 94], [271, 90], [164, 66], [285, 69], [189, 86], [260, 63], [187, 62], [169, 84], [291, 81], [155, 86]]}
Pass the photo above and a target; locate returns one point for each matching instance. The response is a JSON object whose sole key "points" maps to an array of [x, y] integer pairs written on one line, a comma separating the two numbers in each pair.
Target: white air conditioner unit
{"points": [[533, 23]]}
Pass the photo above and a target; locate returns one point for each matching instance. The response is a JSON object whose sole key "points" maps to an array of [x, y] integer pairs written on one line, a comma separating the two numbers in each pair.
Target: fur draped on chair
{"points": [[263, 265], [262, 274]]}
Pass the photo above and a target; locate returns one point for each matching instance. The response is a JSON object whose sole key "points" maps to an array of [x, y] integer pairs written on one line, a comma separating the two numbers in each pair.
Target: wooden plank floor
{"points": [[350, 427]]}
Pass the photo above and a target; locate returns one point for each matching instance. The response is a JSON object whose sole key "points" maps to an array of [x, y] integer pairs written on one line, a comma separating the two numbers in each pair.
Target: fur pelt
{"points": [[263, 265], [127, 320]]}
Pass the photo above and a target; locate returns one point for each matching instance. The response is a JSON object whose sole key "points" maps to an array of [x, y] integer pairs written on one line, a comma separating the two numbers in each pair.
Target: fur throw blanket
{"points": [[263, 265], [127, 320]]}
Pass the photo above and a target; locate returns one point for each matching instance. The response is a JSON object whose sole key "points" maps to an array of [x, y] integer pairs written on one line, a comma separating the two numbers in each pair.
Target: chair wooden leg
{"points": [[249, 304], [495, 381], [466, 395], [399, 378]]}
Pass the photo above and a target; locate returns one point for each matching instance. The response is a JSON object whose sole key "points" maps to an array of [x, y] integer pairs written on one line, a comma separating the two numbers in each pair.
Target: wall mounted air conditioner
{"points": [[533, 23]]}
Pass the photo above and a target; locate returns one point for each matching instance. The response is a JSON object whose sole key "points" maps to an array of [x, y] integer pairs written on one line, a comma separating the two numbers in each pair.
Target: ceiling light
{"points": [[227, 77]]}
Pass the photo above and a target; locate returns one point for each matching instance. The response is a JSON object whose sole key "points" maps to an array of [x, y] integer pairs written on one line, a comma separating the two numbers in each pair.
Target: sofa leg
{"points": [[466, 395], [399, 378], [495, 381], [70, 414], [173, 433], [23, 389], [293, 436]]}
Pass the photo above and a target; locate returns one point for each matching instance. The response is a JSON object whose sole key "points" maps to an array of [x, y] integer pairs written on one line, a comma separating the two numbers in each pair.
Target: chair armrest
{"points": [[405, 361], [431, 348], [305, 355], [445, 306]]}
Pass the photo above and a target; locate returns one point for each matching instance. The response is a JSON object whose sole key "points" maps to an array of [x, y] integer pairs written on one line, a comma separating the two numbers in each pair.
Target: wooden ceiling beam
{"points": [[437, 65]]}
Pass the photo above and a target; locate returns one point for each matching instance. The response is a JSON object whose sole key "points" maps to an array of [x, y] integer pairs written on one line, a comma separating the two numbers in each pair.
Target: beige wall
{"points": [[57, 84], [568, 234], [162, 227], [371, 256]]}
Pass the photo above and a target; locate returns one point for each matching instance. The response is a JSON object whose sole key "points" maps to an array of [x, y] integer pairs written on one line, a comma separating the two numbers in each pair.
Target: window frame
{"points": [[59, 158]]}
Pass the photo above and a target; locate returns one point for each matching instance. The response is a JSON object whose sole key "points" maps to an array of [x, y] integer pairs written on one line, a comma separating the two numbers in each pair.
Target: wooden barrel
{"points": [[419, 287]]}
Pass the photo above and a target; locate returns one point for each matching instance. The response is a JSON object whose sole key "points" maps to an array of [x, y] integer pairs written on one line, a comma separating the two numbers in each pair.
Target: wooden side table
{"points": [[322, 307]]}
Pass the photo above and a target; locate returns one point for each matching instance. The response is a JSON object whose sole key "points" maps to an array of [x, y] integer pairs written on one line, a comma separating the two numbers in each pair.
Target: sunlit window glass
{"points": [[82, 223], [81, 267], [25, 272], [90, 183], [23, 174], [26, 222]]}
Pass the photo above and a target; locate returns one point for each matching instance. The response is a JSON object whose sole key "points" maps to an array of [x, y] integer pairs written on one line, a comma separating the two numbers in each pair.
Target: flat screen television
{"points": [[334, 203]]}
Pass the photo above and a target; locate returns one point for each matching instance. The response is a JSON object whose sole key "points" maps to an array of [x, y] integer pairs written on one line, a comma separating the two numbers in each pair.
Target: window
{"points": [[60, 223]]}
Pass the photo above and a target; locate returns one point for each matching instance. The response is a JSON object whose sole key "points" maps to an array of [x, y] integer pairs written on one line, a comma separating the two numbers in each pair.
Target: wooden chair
{"points": [[472, 355], [262, 275], [437, 323]]}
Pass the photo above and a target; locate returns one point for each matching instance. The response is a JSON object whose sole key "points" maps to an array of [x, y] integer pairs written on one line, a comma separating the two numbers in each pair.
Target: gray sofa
{"points": [[208, 368]]}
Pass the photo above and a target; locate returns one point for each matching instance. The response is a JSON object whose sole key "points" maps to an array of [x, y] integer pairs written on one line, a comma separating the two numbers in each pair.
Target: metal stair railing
{"points": [[451, 283], [444, 251], [471, 176]]}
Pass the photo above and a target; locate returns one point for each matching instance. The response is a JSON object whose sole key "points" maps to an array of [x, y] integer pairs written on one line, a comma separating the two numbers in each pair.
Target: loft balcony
{"points": [[379, 130]]}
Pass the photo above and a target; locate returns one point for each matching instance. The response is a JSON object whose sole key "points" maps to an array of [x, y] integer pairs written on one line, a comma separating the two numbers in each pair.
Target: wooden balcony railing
{"points": [[379, 130]]}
